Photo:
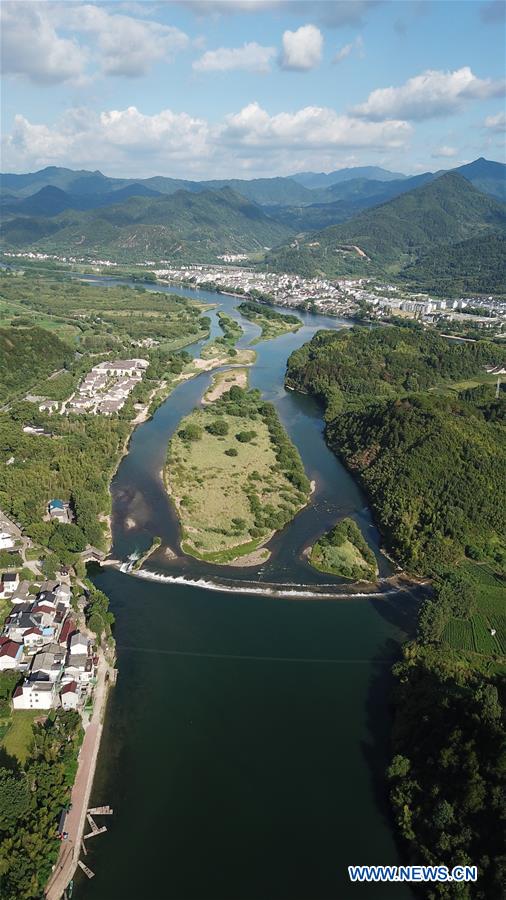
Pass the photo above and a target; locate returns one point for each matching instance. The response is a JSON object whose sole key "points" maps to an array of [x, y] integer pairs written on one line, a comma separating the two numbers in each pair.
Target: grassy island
{"points": [[234, 476], [224, 346], [272, 323], [344, 551]]}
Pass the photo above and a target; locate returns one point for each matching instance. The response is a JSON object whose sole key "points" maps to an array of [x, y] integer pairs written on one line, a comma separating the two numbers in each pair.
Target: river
{"points": [[247, 736]]}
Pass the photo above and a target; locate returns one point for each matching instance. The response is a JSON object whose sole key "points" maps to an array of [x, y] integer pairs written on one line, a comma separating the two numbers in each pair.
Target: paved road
{"points": [[76, 819]]}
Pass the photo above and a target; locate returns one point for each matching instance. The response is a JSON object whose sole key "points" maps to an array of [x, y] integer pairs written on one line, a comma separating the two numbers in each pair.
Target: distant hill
{"points": [[183, 226], [50, 201], [486, 175], [394, 234], [325, 179], [94, 184], [27, 355]]}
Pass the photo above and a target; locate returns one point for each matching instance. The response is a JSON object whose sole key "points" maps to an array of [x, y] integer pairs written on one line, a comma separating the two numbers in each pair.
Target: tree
{"points": [[14, 798], [191, 432], [218, 427]]}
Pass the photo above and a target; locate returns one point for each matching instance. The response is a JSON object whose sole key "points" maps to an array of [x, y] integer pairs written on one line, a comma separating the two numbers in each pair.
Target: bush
{"points": [[245, 436], [231, 452], [218, 427], [191, 432]]}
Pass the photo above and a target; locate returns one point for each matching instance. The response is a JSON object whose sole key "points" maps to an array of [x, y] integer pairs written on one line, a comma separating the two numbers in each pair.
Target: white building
{"points": [[11, 654], [69, 695], [35, 695]]}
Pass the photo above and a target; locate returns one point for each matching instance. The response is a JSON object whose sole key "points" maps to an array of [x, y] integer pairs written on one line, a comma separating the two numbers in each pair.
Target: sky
{"points": [[251, 88]]}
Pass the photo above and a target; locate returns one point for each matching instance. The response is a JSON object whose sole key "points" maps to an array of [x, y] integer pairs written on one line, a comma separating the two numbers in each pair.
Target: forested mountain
{"points": [[325, 179], [477, 265], [444, 211], [26, 355], [186, 225]]}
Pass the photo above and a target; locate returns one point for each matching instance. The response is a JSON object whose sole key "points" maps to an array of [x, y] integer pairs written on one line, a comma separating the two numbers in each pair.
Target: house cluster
{"points": [[40, 639], [106, 387], [287, 290]]}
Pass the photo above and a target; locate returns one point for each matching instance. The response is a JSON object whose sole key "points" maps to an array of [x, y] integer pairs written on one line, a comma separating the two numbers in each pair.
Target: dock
{"points": [[93, 825], [101, 811], [85, 869], [95, 832]]}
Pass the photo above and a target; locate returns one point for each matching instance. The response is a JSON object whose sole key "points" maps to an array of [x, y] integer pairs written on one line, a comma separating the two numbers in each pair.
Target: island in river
{"points": [[235, 478], [343, 551]]}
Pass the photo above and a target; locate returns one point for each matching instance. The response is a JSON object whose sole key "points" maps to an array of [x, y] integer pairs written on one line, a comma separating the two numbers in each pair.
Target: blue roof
{"points": [[56, 504]]}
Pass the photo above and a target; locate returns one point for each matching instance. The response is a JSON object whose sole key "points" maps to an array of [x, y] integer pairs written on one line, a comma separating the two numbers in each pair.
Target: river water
{"points": [[247, 736]]}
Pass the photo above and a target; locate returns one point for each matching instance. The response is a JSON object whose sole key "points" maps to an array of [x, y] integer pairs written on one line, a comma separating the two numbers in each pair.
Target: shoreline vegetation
{"points": [[343, 551], [417, 421], [272, 323], [234, 477]]}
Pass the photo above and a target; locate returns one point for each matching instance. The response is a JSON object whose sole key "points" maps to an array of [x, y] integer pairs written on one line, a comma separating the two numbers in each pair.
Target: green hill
{"points": [[477, 265], [394, 234], [432, 463], [183, 226], [28, 355]]}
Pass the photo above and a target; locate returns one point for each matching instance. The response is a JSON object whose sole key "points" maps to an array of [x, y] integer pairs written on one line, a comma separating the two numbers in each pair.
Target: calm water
{"points": [[246, 739]]}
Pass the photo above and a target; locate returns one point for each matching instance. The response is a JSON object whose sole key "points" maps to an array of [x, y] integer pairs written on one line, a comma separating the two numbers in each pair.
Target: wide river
{"points": [[246, 739]]}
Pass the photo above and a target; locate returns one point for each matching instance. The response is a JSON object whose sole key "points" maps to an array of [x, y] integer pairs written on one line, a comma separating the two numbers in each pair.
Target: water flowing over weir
{"points": [[247, 736]]}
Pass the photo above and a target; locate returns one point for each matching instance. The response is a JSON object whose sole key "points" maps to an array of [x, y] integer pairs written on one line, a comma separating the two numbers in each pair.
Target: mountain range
{"points": [[369, 220]]}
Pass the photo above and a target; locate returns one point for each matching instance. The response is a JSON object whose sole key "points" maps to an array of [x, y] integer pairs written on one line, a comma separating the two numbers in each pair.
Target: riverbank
{"points": [[75, 822]]}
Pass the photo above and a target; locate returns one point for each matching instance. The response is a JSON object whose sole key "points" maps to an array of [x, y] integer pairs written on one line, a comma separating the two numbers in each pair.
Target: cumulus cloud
{"points": [[251, 57], [126, 45], [496, 123], [312, 126], [302, 49], [445, 151], [433, 93], [250, 141], [32, 47]]}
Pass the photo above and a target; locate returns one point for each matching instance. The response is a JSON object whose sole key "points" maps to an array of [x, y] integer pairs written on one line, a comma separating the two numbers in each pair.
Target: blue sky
{"points": [[248, 88]]}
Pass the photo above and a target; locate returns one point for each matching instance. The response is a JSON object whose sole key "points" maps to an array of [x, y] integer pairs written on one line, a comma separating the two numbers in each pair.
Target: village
{"points": [[103, 390]]}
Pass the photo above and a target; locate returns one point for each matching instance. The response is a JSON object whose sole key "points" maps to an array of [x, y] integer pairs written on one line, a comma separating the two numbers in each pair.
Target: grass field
{"points": [[223, 381], [219, 483], [17, 739]]}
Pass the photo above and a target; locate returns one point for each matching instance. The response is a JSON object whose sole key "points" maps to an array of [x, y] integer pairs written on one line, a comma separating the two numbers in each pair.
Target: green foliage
{"points": [[218, 427], [26, 355], [477, 265], [231, 452], [31, 801], [343, 551], [244, 437], [10, 559], [447, 774], [98, 616], [191, 432]]}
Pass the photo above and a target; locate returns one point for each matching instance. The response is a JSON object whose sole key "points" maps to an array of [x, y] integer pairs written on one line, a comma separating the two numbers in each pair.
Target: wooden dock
{"points": [[93, 825], [95, 832], [101, 811], [85, 869]]}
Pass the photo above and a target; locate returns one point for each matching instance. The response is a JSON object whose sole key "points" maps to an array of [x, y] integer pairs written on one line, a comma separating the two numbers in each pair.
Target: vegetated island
{"points": [[235, 478], [222, 382], [343, 551], [272, 323]]}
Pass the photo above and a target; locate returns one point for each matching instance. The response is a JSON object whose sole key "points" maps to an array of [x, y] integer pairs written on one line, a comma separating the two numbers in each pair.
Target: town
{"points": [[103, 390]]}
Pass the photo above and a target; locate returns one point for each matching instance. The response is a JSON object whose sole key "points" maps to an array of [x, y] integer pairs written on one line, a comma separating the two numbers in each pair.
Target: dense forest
{"points": [[27, 354], [474, 266], [414, 417], [32, 797]]}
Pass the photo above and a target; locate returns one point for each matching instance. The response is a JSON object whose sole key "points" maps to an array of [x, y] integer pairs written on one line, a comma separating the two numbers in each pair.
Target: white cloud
{"points": [[347, 49], [302, 49], [126, 45], [130, 143], [312, 126], [252, 57], [32, 47], [444, 151], [433, 93], [496, 123]]}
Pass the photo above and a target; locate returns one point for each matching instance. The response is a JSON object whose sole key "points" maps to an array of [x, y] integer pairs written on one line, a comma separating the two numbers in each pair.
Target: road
{"points": [[76, 819]]}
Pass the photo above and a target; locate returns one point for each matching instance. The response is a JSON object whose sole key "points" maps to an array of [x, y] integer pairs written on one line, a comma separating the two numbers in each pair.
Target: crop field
{"points": [[458, 634]]}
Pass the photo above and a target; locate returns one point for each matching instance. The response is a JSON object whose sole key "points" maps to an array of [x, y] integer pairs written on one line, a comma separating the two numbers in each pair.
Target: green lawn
{"points": [[16, 741]]}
